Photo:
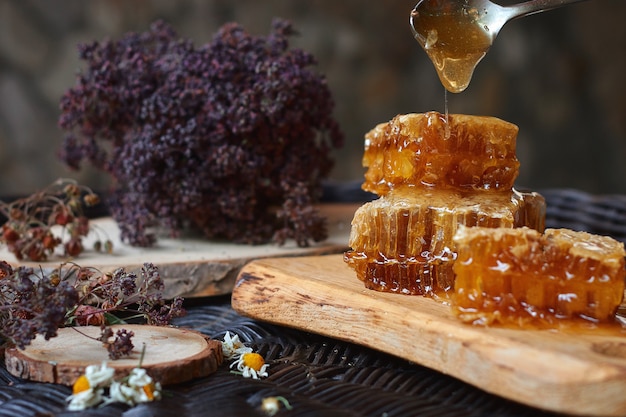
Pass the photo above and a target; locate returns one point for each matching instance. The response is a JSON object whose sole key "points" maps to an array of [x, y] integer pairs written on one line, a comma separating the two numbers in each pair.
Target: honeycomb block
{"points": [[523, 277], [423, 150], [403, 242]]}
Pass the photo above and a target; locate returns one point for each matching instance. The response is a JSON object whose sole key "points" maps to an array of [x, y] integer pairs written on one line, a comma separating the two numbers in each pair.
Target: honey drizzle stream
{"points": [[445, 99]]}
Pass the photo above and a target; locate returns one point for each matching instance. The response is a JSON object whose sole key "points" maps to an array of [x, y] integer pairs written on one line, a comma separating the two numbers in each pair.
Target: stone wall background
{"points": [[558, 75]]}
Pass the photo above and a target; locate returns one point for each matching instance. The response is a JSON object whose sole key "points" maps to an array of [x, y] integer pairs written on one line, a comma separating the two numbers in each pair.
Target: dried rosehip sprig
{"points": [[28, 229], [214, 137]]}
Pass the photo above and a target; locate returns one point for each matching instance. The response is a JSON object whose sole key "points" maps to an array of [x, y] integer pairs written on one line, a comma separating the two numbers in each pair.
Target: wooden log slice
{"points": [[172, 355]]}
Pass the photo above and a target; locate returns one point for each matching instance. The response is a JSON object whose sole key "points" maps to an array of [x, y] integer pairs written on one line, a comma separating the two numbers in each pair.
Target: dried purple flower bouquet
{"points": [[232, 138]]}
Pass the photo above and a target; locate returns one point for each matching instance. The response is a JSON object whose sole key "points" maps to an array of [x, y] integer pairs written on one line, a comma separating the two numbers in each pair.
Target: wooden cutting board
{"points": [[196, 267], [579, 371]]}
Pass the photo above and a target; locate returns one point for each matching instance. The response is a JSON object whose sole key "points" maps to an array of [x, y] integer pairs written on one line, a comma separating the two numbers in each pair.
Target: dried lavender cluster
{"points": [[216, 137], [32, 306]]}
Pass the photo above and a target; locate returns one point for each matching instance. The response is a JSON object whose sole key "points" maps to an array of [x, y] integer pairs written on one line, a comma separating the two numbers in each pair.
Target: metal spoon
{"points": [[456, 34]]}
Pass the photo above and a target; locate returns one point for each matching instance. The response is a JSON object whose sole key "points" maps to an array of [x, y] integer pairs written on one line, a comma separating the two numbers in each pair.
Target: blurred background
{"points": [[558, 75]]}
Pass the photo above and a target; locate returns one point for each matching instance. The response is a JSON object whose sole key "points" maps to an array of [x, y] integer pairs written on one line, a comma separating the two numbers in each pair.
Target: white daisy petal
{"points": [[251, 365], [138, 387], [85, 399], [99, 376], [233, 346]]}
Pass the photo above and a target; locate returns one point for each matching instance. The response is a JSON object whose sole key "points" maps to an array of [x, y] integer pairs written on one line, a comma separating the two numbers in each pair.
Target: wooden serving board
{"points": [[171, 355], [577, 371], [193, 266]]}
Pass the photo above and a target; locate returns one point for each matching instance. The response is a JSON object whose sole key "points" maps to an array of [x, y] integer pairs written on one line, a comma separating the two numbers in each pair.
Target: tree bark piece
{"points": [[172, 355], [192, 266]]}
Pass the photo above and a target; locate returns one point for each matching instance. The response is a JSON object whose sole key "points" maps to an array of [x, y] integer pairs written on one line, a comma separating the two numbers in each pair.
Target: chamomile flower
{"points": [[99, 376], [272, 405], [251, 365], [138, 387], [85, 399], [88, 389], [233, 346]]}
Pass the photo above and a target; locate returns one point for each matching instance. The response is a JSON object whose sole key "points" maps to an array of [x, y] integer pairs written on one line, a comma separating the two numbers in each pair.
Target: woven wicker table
{"points": [[317, 375]]}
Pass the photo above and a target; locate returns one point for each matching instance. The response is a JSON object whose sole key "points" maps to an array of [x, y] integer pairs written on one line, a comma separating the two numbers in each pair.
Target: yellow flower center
{"points": [[253, 360], [149, 390], [81, 384]]}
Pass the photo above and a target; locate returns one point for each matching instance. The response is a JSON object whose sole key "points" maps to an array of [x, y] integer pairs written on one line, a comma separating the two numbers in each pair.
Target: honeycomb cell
{"points": [[434, 151], [522, 277], [403, 241]]}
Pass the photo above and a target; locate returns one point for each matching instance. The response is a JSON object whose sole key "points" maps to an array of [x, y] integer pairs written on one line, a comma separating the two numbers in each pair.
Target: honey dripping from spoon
{"points": [[451, 39], [456, 34]]}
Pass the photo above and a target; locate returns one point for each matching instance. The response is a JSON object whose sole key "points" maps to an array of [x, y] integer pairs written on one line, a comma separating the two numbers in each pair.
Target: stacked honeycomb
{"points": [[434, 174]]}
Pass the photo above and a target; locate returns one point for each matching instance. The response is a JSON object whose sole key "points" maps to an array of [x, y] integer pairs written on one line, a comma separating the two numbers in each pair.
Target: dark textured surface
{"points": [[318, 375], [578, 210]]}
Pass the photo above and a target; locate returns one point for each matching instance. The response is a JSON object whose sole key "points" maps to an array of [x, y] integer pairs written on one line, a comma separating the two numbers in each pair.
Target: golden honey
{"points": [[403, 242], [428, 150], [434, 174], [454, 42], [522, 277]]}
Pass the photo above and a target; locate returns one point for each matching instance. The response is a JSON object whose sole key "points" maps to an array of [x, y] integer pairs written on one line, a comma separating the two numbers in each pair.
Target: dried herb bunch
{"points": [[102, 294], [31, 306], [232, 138], [33, 302], [28, 229]]}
